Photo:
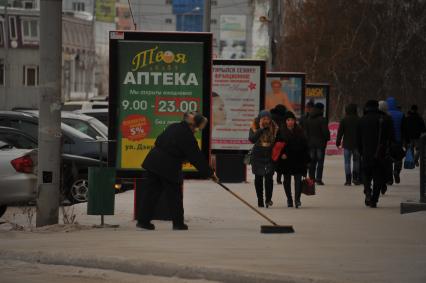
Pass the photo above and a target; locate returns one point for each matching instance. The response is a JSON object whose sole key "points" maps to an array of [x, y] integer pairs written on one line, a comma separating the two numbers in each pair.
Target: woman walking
{"points": [[294, 158], [262, 134]]}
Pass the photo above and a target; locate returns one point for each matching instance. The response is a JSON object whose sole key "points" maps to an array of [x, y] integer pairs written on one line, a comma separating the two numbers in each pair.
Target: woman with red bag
{"points": [[294, 157], [262, 134]]}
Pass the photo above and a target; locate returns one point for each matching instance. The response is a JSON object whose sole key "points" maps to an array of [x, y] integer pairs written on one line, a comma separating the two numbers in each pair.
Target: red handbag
{"points": [[308, 186], [276, 150]]}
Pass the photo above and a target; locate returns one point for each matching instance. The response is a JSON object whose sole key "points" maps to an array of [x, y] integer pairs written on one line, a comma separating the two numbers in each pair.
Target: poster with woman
{"points": [[237, 97], [287, 89]]}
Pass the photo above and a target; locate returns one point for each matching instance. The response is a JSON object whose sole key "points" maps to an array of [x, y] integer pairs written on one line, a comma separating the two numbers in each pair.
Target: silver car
{"points": [[18, 181]]}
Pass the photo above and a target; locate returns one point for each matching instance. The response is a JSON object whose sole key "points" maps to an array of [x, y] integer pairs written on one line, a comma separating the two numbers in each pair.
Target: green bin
{"points": [[101, 191]]}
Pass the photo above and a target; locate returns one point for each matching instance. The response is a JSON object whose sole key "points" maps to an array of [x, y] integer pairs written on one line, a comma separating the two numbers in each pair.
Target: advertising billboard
{"points": [[318, 92], [154, 79], [287, 89], [237, 97], [233, 42]]}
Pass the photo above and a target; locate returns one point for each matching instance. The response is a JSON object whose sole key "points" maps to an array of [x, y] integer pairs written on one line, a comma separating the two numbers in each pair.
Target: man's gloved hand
{"points": [[214, 178]]}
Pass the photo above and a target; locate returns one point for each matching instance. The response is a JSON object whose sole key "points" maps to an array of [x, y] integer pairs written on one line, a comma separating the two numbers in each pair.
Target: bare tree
{"points": [[364, 49]]}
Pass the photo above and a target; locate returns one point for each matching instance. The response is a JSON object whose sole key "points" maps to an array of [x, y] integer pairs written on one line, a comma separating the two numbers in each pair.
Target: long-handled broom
{"points": [[267, 229]]}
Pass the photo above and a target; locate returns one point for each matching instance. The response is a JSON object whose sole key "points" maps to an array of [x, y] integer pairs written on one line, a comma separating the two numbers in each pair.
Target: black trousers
{"points": [[374, 179], [155, 186], [297, 186], [269, 186]]}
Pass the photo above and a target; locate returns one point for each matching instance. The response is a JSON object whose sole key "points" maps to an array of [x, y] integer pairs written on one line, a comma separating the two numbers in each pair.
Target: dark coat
{"points": [[297, 151], [414, 126], [278, 115], [173, 147], [398, 120], [348, 128], [316, 129], [261, 156], [368, 136]]}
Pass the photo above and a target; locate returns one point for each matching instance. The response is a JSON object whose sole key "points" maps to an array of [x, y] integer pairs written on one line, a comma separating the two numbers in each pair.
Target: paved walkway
{"points": [[337, 238]]}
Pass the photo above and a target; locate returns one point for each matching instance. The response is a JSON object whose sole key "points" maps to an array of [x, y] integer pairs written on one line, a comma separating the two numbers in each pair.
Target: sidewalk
{"points": [[337, 238]]}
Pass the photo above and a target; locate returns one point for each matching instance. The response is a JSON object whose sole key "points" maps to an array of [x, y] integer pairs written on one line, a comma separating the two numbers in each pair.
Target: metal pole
{"points": [[207, 15], [49, 133], [6, 70]]}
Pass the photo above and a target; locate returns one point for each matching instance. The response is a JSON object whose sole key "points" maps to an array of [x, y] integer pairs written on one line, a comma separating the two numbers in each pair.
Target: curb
{"points": [[153, 268]]}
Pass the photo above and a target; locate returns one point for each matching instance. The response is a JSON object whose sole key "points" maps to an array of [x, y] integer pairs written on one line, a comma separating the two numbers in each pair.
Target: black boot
{"points": [[258, 185], [145, 225], [397, 178], [348, 180], [287, 190], [356, 179], [180, 226], [367, 200]]}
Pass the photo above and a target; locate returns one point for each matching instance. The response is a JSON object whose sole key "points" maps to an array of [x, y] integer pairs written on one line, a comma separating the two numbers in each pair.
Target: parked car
{"points": [[18, 181], [83, 123], [84, 105], [74, 141], [100, 114], [74, 168]]}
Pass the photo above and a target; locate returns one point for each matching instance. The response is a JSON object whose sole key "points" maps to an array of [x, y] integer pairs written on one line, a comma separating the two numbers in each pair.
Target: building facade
{"points": [[231, 22], [20, 58]]}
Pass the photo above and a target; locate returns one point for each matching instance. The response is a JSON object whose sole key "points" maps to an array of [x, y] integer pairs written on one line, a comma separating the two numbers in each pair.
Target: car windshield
{"points": [[73, 133], [18, 140], [4, 145], [99, 126]]}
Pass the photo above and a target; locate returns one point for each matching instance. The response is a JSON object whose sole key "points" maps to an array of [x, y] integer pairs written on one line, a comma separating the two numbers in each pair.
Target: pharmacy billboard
{"points": [[154, 79]]}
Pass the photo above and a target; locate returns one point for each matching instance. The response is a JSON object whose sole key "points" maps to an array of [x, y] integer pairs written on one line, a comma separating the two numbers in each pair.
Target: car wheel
{"points": [[78, 189], [2, 209]]}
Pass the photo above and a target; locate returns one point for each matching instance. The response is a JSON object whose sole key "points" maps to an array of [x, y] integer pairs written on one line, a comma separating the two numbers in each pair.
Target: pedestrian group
{"points": [[374, 146]]}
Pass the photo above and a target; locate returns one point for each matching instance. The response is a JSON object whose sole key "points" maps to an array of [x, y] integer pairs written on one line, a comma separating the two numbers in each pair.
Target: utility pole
{"points": [[7, 69], [49, 131], [274, 33], [207, 15]]}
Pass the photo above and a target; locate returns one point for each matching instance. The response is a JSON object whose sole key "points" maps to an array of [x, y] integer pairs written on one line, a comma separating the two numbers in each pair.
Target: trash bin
{"points": [[101, 196], [230, 168]]}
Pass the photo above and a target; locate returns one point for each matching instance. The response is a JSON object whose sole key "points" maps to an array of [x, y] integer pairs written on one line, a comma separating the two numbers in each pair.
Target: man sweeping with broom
{"points": [[163, 164]]}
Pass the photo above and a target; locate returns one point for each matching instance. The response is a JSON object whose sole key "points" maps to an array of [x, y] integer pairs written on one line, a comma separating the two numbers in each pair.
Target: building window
{"points": [[28, 5], [214, 2], [1, 72], [78, 6], [30, 75], [13, 33], [169, 21], [169, 2], [213, 21], [30, 30]]}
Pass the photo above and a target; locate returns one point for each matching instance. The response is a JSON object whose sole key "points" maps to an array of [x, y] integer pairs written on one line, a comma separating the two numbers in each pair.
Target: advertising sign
{"points": [[287, 89], [332, 149], [154, 79], [233, 43], [316, 92], [105, 11], [237, 97]]}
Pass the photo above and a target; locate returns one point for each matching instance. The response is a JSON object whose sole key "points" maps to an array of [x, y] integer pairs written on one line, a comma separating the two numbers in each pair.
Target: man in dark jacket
{"points": [[414, 127], [163, 164], [318, 134], [374, 137], [308, 109], [399, 136], [348, 132]]}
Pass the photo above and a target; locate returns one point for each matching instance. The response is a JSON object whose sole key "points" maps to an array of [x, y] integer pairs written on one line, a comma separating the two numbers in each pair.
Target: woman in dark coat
{"points": [[294, 157], [262, 134]]}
